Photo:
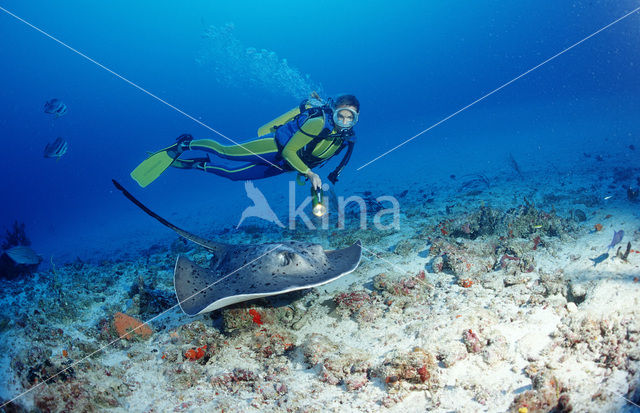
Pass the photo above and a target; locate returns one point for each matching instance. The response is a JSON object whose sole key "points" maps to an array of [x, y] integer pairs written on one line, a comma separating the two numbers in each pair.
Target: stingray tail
{"points": [[217, 247]]}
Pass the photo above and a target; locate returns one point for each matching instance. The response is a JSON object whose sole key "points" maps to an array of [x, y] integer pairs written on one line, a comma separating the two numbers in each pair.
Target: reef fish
{"points": [[240, 273], [597, 260], [617, 237], [55, 107], [56, 149]]}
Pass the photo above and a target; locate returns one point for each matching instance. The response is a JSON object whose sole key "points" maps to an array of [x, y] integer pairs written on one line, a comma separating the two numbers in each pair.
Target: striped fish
{"points": [[55, 107], [56, 149]]}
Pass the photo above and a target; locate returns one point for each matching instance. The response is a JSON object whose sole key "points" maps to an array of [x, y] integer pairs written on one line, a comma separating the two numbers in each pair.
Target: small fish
{"points": [[56, 149], [608, 197], [55, 107], [597, 260], [617, 237], [537, 226]]}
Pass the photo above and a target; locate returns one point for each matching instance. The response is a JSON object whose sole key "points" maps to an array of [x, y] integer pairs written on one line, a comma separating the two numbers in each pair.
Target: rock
{"points": [[416, 370], [577, 292], [579, 215], [557, 301], [437, 264], [408, 247], [452, 353], [496, 349]]}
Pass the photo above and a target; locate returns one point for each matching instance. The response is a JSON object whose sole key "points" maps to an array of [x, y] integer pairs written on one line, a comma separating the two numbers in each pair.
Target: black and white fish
{"points": [[56, 149], [55, 107]]}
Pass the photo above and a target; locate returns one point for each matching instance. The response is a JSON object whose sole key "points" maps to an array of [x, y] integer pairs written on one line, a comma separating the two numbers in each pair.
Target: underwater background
{"points": [[411, 64], [508, 132]]}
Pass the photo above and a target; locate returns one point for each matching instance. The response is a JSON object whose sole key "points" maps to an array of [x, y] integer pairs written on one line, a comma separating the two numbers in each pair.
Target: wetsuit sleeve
{"points": [[298, 141]]}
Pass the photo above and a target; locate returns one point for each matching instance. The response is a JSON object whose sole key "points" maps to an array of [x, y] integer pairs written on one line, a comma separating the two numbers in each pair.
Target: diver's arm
{"points": [[298, 141], [333, 176]]}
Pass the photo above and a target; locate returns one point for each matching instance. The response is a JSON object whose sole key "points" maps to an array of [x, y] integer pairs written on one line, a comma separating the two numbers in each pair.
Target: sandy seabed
{"points": [[485, 299]]}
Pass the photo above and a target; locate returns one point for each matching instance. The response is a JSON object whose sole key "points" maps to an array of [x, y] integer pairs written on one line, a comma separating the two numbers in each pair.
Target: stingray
{"points": [[240, 273]]}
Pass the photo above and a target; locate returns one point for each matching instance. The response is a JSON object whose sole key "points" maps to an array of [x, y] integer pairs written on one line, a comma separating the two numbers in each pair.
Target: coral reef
{"points": [[459, 302], [413, 370], [409, 246], [466, 260], [359, 304], [548, 394], [245, 317], [403, 372], [403, 292], [337, 365], [611, 343], [148, 301], [15, 236]]}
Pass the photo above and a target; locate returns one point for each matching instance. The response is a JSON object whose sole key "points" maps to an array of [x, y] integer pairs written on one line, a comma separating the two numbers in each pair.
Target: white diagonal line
{"points": [[131, 331], [375, 254], [134, 85], [627, 400], [499, 88]]}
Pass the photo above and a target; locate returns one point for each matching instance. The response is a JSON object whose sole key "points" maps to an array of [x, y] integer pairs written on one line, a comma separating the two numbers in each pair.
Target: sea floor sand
{"points": [[485, 299]]}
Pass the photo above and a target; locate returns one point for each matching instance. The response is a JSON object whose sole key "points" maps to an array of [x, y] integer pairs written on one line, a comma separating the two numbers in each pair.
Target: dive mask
{"points": [[345, 118]]}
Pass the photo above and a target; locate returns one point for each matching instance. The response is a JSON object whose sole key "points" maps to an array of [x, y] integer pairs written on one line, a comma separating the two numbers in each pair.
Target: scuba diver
{"points": [[299, 140]]}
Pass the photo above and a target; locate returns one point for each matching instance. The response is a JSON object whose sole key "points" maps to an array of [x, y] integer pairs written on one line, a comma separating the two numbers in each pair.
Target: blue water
{"points": [[411, 64]]}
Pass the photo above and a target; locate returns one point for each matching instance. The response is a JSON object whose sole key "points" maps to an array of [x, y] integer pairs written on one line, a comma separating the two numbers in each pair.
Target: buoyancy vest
{"points": [[284, 127]]}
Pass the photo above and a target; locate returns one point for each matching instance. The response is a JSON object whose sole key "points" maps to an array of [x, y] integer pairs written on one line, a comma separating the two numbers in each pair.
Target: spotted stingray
{"points": [[239, 273]]}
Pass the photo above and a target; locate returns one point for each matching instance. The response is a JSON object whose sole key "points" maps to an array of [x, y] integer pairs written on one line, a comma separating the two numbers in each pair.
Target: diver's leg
{"points": [[190, 163], [152, 167], [260, 150], [244, 172]]}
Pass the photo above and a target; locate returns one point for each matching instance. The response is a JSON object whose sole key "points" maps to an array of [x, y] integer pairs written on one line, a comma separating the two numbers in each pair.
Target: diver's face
{"points": [[345, 117]]}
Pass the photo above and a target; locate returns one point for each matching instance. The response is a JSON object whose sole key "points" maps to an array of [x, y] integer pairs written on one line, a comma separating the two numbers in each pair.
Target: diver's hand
{"points": [[315, 180]]}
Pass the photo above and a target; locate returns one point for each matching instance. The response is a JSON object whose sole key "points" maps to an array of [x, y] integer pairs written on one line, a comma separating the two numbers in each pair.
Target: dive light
{"points": [[317, 200]]}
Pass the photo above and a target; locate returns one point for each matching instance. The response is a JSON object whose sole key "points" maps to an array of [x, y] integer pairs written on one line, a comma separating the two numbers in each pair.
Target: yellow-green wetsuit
{"points": [[299, 145]]}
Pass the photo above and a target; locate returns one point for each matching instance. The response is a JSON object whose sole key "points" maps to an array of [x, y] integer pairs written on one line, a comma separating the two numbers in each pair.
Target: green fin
{"points": [[152, 167]]}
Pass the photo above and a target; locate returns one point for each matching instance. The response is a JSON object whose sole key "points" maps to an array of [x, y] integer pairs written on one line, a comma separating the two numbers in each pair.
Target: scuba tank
{"points": [[312, 102]]}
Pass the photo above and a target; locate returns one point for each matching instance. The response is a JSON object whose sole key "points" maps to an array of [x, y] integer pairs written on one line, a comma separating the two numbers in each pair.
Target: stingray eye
{"points": [[286, 258]]}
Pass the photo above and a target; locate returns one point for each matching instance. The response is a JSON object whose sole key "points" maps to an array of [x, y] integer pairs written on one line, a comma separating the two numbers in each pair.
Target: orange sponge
{"points": [[129, 327]]}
